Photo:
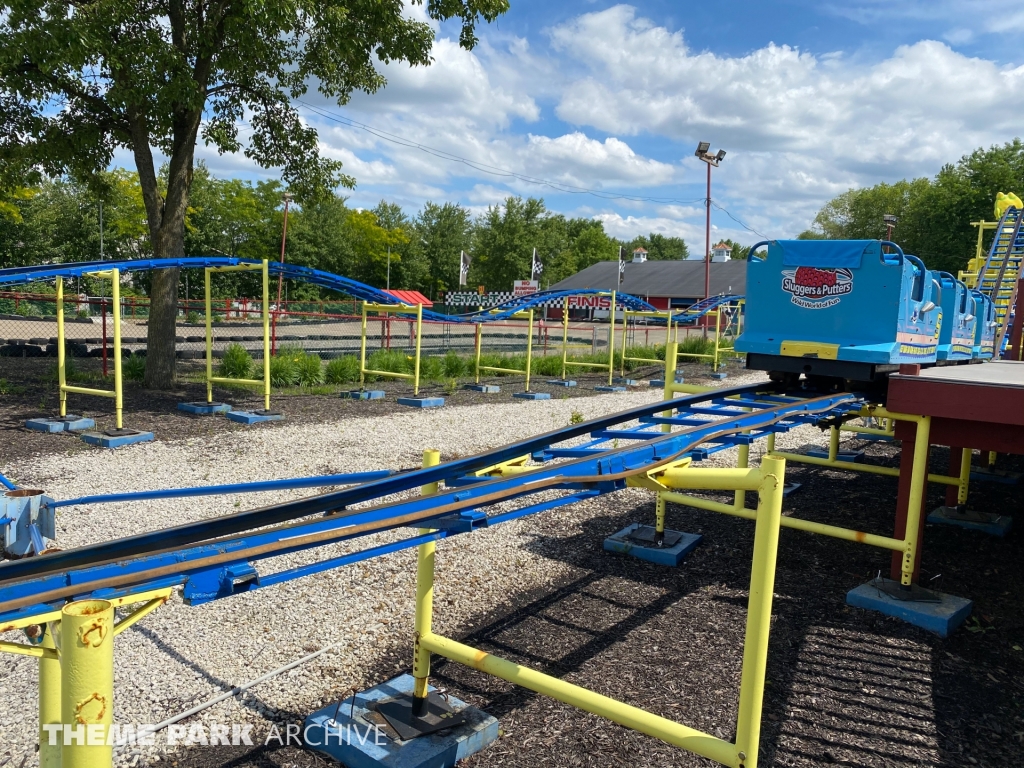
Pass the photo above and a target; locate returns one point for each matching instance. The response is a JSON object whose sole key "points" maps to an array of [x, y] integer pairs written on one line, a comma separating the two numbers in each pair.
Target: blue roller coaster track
{"points": [[347, 286]]}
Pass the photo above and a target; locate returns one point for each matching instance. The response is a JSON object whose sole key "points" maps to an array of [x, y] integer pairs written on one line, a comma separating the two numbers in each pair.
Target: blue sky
{"points": [[808, 98]]}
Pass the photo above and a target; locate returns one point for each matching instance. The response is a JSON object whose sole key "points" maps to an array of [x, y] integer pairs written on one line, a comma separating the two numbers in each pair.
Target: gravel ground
{"points": [[180, 656], [845, 687]]}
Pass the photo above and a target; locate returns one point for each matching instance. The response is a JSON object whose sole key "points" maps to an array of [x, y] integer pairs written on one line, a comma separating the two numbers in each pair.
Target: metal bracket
{"points": [[437, 715]]}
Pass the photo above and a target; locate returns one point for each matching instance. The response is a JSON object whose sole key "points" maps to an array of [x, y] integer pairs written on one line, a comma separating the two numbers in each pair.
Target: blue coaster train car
{"points": [[959, 320], [985, 330], [848, 309]]}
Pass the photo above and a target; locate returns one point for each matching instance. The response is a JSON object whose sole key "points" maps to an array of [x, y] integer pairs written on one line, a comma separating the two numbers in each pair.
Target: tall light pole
{"points": [[280, 278], [703, 152]]}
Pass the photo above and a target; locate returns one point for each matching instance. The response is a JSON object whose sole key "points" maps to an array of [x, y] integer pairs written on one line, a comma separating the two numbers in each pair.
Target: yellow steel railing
{"points": [[528, 315], [566, 362], [210, 378], [628, 313], [114, 275], [396, 310], [768, 481]]}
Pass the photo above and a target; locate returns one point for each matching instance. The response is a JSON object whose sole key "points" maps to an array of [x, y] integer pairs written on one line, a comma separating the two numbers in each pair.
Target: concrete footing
{"points": [[561, 383], [719, 376], [204, 409], [489, 389], [357, 736], [639, 541], [822, 453], [254, 417], [532, 395], [363, 394], [120, 438], [995, 476], [626, 382], [69, 423], [934, 611], [421, 402], [606, 388], [985, 522]]}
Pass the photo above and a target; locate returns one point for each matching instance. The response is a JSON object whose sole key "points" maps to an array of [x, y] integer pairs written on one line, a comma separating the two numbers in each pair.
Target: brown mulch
{"points": [[845, 686]]}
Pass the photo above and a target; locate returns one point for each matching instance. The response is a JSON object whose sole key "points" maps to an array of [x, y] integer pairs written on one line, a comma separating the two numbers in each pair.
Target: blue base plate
{"points": [[986, 522], [69, 423], [684, 544], [116, 441], [489, 389], [421, 402], [943, 615], [204, 409], [249, 417], [626, 382], [560, 383], [719, 376], [355, 742], [532, 395], [822, 453], [364, 394], [996, 476], [606, 388]]}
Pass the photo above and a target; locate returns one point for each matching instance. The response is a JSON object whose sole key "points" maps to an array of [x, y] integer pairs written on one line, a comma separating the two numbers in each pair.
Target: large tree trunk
{"points": [[160, 338]]}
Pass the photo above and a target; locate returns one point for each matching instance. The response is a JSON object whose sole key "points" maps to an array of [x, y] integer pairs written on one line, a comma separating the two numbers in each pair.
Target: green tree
{"points": [[659, 247], [505, 238], [442, 233], [409, 268], [158, 76]]}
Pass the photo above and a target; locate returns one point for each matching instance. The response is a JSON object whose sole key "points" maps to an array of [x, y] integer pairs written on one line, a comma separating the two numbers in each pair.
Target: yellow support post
{"points": [[718, 324], [362, 351], [759, 609], [671, 359], [115, 280], [87, 683], [659, 515], [833, 444], [266, 335], [742, 462], [770, 443], [61, 370], [424, 599], [419, 339], [965, 476], [529, 350], [479, 343], [209, 338], [918, 488], [565, 334], [49, 701], [611, 342]]}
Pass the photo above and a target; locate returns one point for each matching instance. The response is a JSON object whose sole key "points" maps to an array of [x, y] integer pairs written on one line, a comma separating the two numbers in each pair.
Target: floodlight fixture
{"points": [[720, 156], [702, 148], [890, 219]]}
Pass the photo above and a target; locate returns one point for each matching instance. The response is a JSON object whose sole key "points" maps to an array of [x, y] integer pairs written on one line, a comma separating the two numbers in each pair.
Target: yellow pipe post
{"points": [[565, 334], [266, 335], [115, 280], [49, 701], [659, 515], [992, 459], [419, 339], [424, 599], [759, 609], [61, 370], [678, 735], [362, 351], [833, 444], [718, 323], [529, 351], [87, 683], [918, 487], [479, 343], [625, 327], [209, 339], [611, 342], [742, 462], [770, 443], [965, 476], [671, 359]]}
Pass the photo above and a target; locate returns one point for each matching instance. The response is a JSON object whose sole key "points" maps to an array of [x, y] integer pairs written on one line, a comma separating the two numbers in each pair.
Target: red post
{"points": [[953, 491], [707, 241], [103, 311], [1017, 331]]}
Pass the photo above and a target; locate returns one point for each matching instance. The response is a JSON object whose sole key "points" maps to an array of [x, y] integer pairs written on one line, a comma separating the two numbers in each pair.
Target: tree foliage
{"points": [[935, 214]]}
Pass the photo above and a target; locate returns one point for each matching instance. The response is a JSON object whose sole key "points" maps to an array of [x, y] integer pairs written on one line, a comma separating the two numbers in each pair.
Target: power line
{"points": [[507, 173]]}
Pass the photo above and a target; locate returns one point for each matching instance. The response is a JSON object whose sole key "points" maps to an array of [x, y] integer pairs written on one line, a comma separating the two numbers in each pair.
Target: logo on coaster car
{"points": [[816, 287]]}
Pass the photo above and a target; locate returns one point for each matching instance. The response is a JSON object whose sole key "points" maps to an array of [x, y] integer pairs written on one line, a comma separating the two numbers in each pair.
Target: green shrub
{"points": [[237, 363], [697, 345], [575, 417], [451, 386], [550, 365], [431, 368], [455, 366], [192, 318], [390, 360], [282, 371], [308, 370], [133, 368], [82, 314], [342, 370]]}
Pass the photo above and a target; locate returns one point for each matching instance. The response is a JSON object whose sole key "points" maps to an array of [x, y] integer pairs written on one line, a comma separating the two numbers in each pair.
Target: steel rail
{"points": [[335, 528], [238, 522]]}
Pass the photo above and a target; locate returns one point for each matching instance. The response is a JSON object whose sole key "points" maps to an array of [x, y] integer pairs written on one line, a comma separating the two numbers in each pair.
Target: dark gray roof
{"points": [[675, 279]]}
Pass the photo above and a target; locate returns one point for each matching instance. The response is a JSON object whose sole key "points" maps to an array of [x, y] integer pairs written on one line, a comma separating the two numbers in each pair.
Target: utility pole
{"points": [[280, 278]]}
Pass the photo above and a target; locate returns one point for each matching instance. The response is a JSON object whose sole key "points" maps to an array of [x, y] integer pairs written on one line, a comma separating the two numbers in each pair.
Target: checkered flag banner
{"points": [[622, 264], [464, 263], [535, 267]]}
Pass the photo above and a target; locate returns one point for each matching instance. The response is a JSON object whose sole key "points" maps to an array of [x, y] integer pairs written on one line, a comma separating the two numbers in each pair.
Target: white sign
{"points": [[525, 287]]}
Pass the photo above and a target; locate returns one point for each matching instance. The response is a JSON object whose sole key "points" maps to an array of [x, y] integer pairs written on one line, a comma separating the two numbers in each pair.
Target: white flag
{"points": [[464, 262]]}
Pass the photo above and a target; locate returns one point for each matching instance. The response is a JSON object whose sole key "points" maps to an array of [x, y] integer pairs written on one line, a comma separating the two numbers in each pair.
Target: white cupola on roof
{"points": [[721, 252], [639, 256]]}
